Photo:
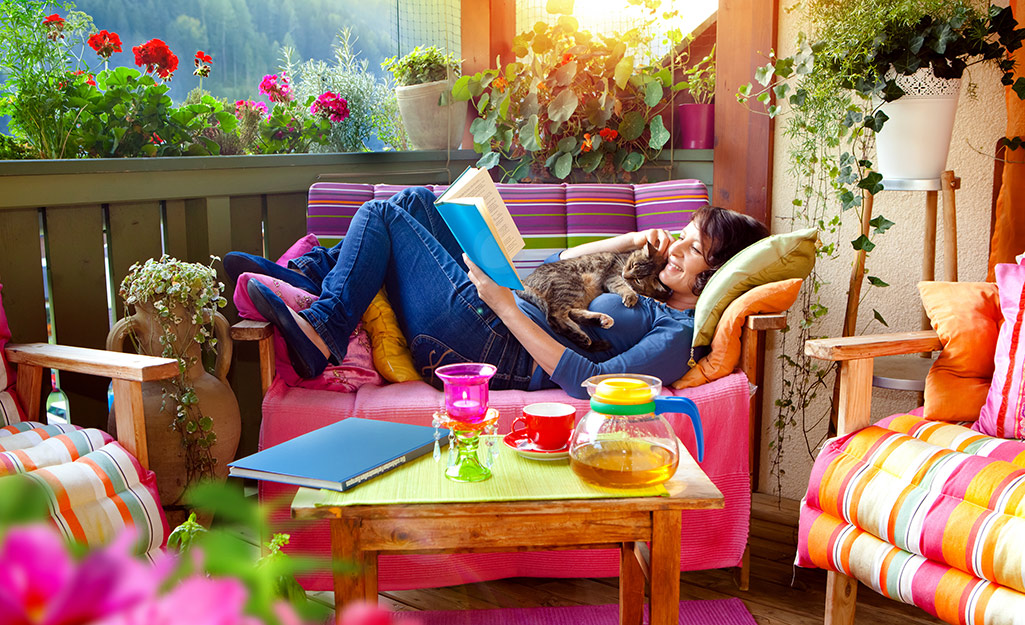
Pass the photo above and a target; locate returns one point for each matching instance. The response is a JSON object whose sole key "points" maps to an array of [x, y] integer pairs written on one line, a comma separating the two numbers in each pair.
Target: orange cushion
{"points": [[774, 297], [966, 316]]}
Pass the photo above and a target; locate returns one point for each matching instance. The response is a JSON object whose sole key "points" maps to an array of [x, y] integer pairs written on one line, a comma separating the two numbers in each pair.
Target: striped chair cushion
{"points": [[96, 488], [669, 205], [10, 408], [935, 490]]}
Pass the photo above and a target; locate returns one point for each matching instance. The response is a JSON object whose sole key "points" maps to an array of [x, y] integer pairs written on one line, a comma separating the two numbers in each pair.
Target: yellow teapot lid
{"points": [[623, 391]]}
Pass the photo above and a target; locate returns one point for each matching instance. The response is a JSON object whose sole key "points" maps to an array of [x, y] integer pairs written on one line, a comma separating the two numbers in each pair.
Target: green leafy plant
{"points": [[571, 100], [180, 292], [422, 65], [830, 92], [698, 79]]}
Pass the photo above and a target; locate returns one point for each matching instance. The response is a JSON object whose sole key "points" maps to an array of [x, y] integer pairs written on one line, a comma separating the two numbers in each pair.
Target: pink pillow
{"points": [[1002, 413], [298, 248], [355, 370], [10, 408]]}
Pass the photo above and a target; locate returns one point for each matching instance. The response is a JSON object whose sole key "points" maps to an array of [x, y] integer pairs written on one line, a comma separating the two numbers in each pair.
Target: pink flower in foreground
{"points": [[361, 613], [197, 600], [40, 584], [331, 106], [248, 107], [277, 88]]}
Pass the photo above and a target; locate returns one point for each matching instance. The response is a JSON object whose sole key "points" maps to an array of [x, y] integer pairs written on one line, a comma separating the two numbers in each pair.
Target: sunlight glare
{"points": [[607, 16]]}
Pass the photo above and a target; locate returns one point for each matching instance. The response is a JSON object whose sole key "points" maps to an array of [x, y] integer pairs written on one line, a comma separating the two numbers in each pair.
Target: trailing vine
{"points": [[180, 292]]}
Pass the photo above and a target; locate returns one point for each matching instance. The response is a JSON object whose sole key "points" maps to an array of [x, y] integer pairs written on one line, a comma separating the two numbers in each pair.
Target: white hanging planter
{"points": [[914, 141], [429, 126]]}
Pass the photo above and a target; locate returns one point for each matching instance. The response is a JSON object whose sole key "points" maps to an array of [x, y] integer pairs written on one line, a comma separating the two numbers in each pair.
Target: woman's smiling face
{"points": [[686, 261]]}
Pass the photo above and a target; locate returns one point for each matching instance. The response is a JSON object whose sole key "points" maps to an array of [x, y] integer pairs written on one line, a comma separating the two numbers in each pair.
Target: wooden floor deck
{"points": [[780, 593]]}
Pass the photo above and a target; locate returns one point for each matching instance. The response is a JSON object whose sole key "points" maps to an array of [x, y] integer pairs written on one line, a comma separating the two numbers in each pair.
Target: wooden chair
{"points": [[128, 372]]}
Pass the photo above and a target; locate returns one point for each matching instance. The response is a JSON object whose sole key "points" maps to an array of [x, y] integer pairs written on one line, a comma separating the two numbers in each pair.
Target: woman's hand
{"points": [[498, 298], [659, 238]]}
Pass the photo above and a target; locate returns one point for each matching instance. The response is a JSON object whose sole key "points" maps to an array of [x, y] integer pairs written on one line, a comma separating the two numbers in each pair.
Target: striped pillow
{"points": [[1003, 414], [330, 207], [598, 211], [96, 489], [669, 205], [956, 508]]}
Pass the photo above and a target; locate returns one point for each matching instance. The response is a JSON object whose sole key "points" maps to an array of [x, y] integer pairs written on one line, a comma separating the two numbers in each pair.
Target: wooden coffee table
{"points": [[359, 533]]}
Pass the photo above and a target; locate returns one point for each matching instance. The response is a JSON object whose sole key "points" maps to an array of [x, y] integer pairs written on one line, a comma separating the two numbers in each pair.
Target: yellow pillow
{"points": [[774, 297], [387, 344]]}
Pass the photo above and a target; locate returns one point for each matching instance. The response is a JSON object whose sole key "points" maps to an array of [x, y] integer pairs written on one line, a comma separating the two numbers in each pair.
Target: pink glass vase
{"points": [[467, 416]]}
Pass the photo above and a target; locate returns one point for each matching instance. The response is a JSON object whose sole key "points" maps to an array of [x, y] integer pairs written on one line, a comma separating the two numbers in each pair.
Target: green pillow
{"points": [[777, 257]]}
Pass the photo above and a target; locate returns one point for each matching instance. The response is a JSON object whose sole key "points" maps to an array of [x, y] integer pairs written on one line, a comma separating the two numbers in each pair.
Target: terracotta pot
{"points": [[216, 399], [429, 126], [695, 126]]}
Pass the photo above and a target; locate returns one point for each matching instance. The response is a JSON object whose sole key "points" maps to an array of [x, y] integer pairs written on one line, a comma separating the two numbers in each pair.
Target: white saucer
{"points": [[522, 445]]}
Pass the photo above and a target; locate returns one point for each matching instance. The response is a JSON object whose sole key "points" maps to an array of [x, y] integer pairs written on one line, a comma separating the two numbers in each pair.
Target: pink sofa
{"points": [[550, 217]]}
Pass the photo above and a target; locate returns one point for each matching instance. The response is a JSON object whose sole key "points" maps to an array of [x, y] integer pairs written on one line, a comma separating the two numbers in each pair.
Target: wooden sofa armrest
{"points": [[855, 354], [128, 372], [263, 332]]}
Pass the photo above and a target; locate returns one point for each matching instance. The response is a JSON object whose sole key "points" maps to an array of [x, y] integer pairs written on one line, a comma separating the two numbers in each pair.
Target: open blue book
{"points": [[341, 455], [481, 223]]}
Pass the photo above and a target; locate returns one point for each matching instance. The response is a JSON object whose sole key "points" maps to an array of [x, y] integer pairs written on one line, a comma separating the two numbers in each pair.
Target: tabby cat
{"points": [[563, 289]]}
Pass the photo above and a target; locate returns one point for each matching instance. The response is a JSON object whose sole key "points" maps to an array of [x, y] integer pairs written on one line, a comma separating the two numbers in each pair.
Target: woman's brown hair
{"points": [[723, 233]]}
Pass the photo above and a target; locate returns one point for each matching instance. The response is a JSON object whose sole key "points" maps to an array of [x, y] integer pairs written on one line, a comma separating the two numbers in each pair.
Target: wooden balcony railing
{"points": [[71, 229]]}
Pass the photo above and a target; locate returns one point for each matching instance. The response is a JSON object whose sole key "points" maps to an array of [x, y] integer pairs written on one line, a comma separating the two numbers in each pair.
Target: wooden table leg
{"points": [[665, 567], [631, 586], [350, 586]]}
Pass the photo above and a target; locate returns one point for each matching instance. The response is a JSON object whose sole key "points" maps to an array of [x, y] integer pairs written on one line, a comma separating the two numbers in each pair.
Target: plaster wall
{"points": [[897, 259]]}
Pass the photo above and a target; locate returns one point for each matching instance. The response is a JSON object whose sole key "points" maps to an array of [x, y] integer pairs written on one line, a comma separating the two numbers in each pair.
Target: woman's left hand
{"points": [[498, 298]]}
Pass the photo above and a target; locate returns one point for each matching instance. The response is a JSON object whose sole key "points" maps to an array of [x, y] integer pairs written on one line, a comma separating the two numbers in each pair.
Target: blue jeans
{"points": [[404, 245]]}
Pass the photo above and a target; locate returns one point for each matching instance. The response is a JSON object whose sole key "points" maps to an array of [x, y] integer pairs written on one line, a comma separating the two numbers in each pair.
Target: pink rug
{"points": [[710, 612]]}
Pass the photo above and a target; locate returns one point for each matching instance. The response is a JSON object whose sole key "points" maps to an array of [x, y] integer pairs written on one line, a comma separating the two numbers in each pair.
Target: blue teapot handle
{"points": [[666, 403]]}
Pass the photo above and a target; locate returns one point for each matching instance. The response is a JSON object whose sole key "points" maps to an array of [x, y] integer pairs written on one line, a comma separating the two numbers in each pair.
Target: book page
{"points": [[493, 210]]}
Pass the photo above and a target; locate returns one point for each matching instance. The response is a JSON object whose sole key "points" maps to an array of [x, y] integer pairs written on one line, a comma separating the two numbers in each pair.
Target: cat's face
{"points": [[641, 272]]}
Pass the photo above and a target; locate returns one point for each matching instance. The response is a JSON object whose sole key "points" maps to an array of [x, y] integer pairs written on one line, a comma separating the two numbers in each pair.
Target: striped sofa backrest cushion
{"points": [[598, 211], [669, 205], [330, 207]]}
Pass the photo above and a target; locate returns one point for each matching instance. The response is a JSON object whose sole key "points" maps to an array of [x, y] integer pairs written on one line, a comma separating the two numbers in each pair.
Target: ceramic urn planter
{"points": [[216, 399], [428, 125]]}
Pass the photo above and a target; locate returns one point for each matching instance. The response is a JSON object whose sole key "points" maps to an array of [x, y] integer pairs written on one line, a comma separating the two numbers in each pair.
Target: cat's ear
{"points": [[650, 249]]}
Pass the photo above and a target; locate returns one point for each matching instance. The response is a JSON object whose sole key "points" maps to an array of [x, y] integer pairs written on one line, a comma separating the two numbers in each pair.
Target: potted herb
{"points": [[192, 421], [696, 120], [424, 79]]}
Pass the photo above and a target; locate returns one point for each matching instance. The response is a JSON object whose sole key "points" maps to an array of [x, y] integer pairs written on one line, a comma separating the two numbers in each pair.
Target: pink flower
{"points": [[331, 106], [248, 107], [361, 613], [277, 92], [41, 585], [197, 600]]}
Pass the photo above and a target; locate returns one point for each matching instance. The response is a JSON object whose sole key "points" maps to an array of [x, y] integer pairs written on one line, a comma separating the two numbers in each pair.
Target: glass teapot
{"points": [[624, 441]]}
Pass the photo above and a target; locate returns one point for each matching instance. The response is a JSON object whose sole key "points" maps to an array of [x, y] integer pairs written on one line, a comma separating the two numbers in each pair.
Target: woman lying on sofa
{"points": [[450, 311]]}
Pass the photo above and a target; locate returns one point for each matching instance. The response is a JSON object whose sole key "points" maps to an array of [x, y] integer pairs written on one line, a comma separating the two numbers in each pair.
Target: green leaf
{"points": [[743, 90], [1019, 88], [559, 7], [764, 74], [879, 318], [874, 281], [482, 130], [633, 161], [871, 182], [563, 165], [567, 144], [632, 126], [562, 106], [589, 161], [529, 138], [863, 243], [565, 74], [881, 224], [568, 23], [652, 93], [488, 160], [624, 69], [659, 134]]}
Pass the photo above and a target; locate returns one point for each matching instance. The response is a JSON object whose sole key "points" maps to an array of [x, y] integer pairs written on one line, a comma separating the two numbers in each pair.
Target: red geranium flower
{"points": [[201, 60], [55, 24], [608, 134], [202, 57], [105, 43], [157, 57]]}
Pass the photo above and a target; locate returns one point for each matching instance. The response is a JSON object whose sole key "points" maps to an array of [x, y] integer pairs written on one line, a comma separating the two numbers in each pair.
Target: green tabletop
{"points": [[514, 479]]}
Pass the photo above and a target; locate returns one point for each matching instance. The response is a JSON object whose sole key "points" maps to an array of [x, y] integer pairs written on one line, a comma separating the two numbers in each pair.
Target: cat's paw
{"points": [[605, 321], [630, 300]]}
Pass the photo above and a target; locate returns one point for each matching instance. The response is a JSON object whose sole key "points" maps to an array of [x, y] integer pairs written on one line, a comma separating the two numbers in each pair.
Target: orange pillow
{"points": [[966, 316], [774, 297]]}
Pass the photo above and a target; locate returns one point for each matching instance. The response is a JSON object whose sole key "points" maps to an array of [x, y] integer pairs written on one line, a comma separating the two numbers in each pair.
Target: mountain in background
{"points": [[245, 37]]}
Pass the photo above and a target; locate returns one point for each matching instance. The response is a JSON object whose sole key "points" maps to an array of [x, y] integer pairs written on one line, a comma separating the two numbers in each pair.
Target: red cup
{"points": [[546, 424]]}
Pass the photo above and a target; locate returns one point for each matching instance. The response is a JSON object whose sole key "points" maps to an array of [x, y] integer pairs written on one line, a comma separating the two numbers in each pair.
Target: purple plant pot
{"points": [[695, 124]]}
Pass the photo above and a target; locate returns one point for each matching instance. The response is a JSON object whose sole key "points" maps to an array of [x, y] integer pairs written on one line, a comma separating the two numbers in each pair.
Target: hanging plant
{"points": [[182, 295]]}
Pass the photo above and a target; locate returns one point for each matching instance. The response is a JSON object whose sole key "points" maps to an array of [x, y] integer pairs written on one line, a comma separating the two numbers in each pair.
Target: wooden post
{"points": [[949, 183]]}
